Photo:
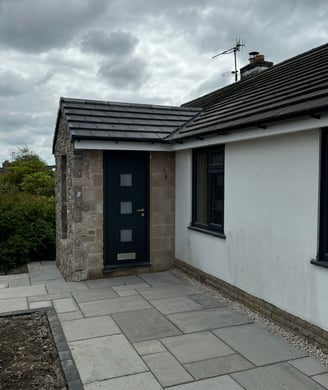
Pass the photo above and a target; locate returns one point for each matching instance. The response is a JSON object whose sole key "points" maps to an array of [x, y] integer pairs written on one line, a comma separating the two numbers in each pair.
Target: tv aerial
{"points": [[233, 50]]}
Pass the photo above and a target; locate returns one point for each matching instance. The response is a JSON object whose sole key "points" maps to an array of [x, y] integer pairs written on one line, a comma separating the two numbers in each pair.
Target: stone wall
{"points": [[162, 206], [64, 247], [80, 251]]}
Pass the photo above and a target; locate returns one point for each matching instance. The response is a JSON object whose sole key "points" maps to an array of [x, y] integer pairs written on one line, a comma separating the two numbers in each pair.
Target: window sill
{"points": [[323, 264], [210, 232]]}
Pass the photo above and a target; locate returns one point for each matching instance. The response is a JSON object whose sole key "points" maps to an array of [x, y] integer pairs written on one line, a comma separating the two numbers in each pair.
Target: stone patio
{"points": [[154, 331]]}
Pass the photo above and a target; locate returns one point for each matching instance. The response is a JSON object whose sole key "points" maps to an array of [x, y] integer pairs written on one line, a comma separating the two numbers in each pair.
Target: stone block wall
{"points": [[162, 207], [87, 218], [80, 250]]}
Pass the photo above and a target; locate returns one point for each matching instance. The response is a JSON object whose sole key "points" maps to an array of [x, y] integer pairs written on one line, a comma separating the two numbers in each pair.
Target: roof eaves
{"points": [[213, 130], [117, 139]]}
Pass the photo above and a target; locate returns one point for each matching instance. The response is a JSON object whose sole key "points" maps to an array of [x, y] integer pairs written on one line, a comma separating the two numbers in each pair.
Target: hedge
{"points": [[27, 229]]}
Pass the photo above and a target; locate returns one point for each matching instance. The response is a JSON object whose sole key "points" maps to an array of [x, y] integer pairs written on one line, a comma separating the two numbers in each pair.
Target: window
{"points": [[323, 238], [208, 189]]}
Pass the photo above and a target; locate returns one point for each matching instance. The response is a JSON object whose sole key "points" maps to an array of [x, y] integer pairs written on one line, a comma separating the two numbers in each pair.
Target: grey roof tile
{"points": [[292, 88], [297, 86], [108, 120]]}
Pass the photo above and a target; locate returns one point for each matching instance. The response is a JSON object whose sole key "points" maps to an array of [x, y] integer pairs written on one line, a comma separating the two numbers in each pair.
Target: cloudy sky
{"points": [[146, 51]]}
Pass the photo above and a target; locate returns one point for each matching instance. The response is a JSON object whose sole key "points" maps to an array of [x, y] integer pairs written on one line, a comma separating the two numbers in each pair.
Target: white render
{"points": [[270, 222]]}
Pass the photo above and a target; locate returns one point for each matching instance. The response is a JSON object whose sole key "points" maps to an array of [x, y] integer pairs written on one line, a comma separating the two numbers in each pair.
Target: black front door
{"points": [[126, 211]]}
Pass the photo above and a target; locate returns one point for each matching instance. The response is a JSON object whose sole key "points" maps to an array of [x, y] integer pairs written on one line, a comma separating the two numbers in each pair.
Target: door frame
{"points": [[114, 267]]}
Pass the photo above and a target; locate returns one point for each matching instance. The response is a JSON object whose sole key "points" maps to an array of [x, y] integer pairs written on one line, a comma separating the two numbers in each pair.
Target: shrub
{"points": [[27, 229]]}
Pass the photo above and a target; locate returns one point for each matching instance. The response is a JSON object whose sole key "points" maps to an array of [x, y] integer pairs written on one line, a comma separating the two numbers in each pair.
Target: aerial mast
{"points": [[233, 50]]}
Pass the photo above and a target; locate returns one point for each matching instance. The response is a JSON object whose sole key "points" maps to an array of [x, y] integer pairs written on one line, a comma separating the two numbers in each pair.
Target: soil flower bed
{"points": [[28, 356]]}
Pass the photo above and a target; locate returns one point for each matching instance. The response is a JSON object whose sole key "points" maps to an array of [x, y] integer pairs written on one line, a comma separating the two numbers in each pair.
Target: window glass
{"points": [[126, 207], [126, 235], [216, 158], [208, 185], [125, 179], [202, 187], [216, 198]]}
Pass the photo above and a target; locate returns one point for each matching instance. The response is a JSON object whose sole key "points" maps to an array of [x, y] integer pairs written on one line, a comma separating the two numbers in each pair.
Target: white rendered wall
{"points": [[271, 223]]}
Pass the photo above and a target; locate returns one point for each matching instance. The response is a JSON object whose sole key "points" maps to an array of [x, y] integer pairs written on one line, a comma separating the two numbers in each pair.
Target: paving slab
{"points": [[126, 293], [141, 325], [322, 379], [167, 369], [48, 297], [90, 295], [161, 278], [87, 328], [175, 305], [69, 316], [148, 347], [41, 274], [129, 289], [168, 291], [13, 304], [273, 377], [17, 292], [116, 281], [64, 305], [258, 345], [41, 264], [40, 304], [197, 346], [143, 381], [219, 383], [106, 357], [54, 286], [19, 282], [309, 366], [113, 305], [8, 278], [218, 366], [16, 280], [206, 319], [206, 301]]}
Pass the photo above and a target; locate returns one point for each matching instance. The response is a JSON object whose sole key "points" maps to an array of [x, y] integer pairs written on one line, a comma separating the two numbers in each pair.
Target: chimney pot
{"points": [[252, 57], [259, 58]]}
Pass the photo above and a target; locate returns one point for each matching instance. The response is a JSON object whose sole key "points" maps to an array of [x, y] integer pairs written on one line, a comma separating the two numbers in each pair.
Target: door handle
{"points": [[142, 211]]}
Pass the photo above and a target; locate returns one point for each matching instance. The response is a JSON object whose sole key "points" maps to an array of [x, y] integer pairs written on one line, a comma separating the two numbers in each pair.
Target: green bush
{"points": [[27, 229]]}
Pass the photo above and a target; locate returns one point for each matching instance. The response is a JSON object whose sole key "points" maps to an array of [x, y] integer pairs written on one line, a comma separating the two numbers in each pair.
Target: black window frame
{"points": [[322, 258], [212, 169]]}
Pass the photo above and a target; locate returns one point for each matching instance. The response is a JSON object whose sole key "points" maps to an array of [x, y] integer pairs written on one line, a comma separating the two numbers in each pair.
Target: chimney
{"points": [[256, 65]]}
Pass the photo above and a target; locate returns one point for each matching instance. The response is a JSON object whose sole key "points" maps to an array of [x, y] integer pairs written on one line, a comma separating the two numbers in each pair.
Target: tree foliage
{"points": [[27, 211], [28, 173]]}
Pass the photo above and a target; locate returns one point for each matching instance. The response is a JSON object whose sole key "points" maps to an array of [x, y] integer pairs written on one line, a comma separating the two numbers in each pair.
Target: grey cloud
{"points": [[13, 84], [115, 43], [23, 120], [39, 25], [132, 73]]}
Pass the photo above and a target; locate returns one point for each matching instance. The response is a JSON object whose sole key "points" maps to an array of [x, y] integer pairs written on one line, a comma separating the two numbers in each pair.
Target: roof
{"points": [[297, 86], [293, 88], [98, 120]]}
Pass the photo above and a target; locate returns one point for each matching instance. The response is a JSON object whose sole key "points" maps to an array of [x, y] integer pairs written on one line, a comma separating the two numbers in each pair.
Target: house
{"points": [[231, 187]]}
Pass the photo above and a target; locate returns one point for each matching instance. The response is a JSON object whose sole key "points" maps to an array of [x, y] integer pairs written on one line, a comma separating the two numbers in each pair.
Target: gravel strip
{"points": [[289, 337]]}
